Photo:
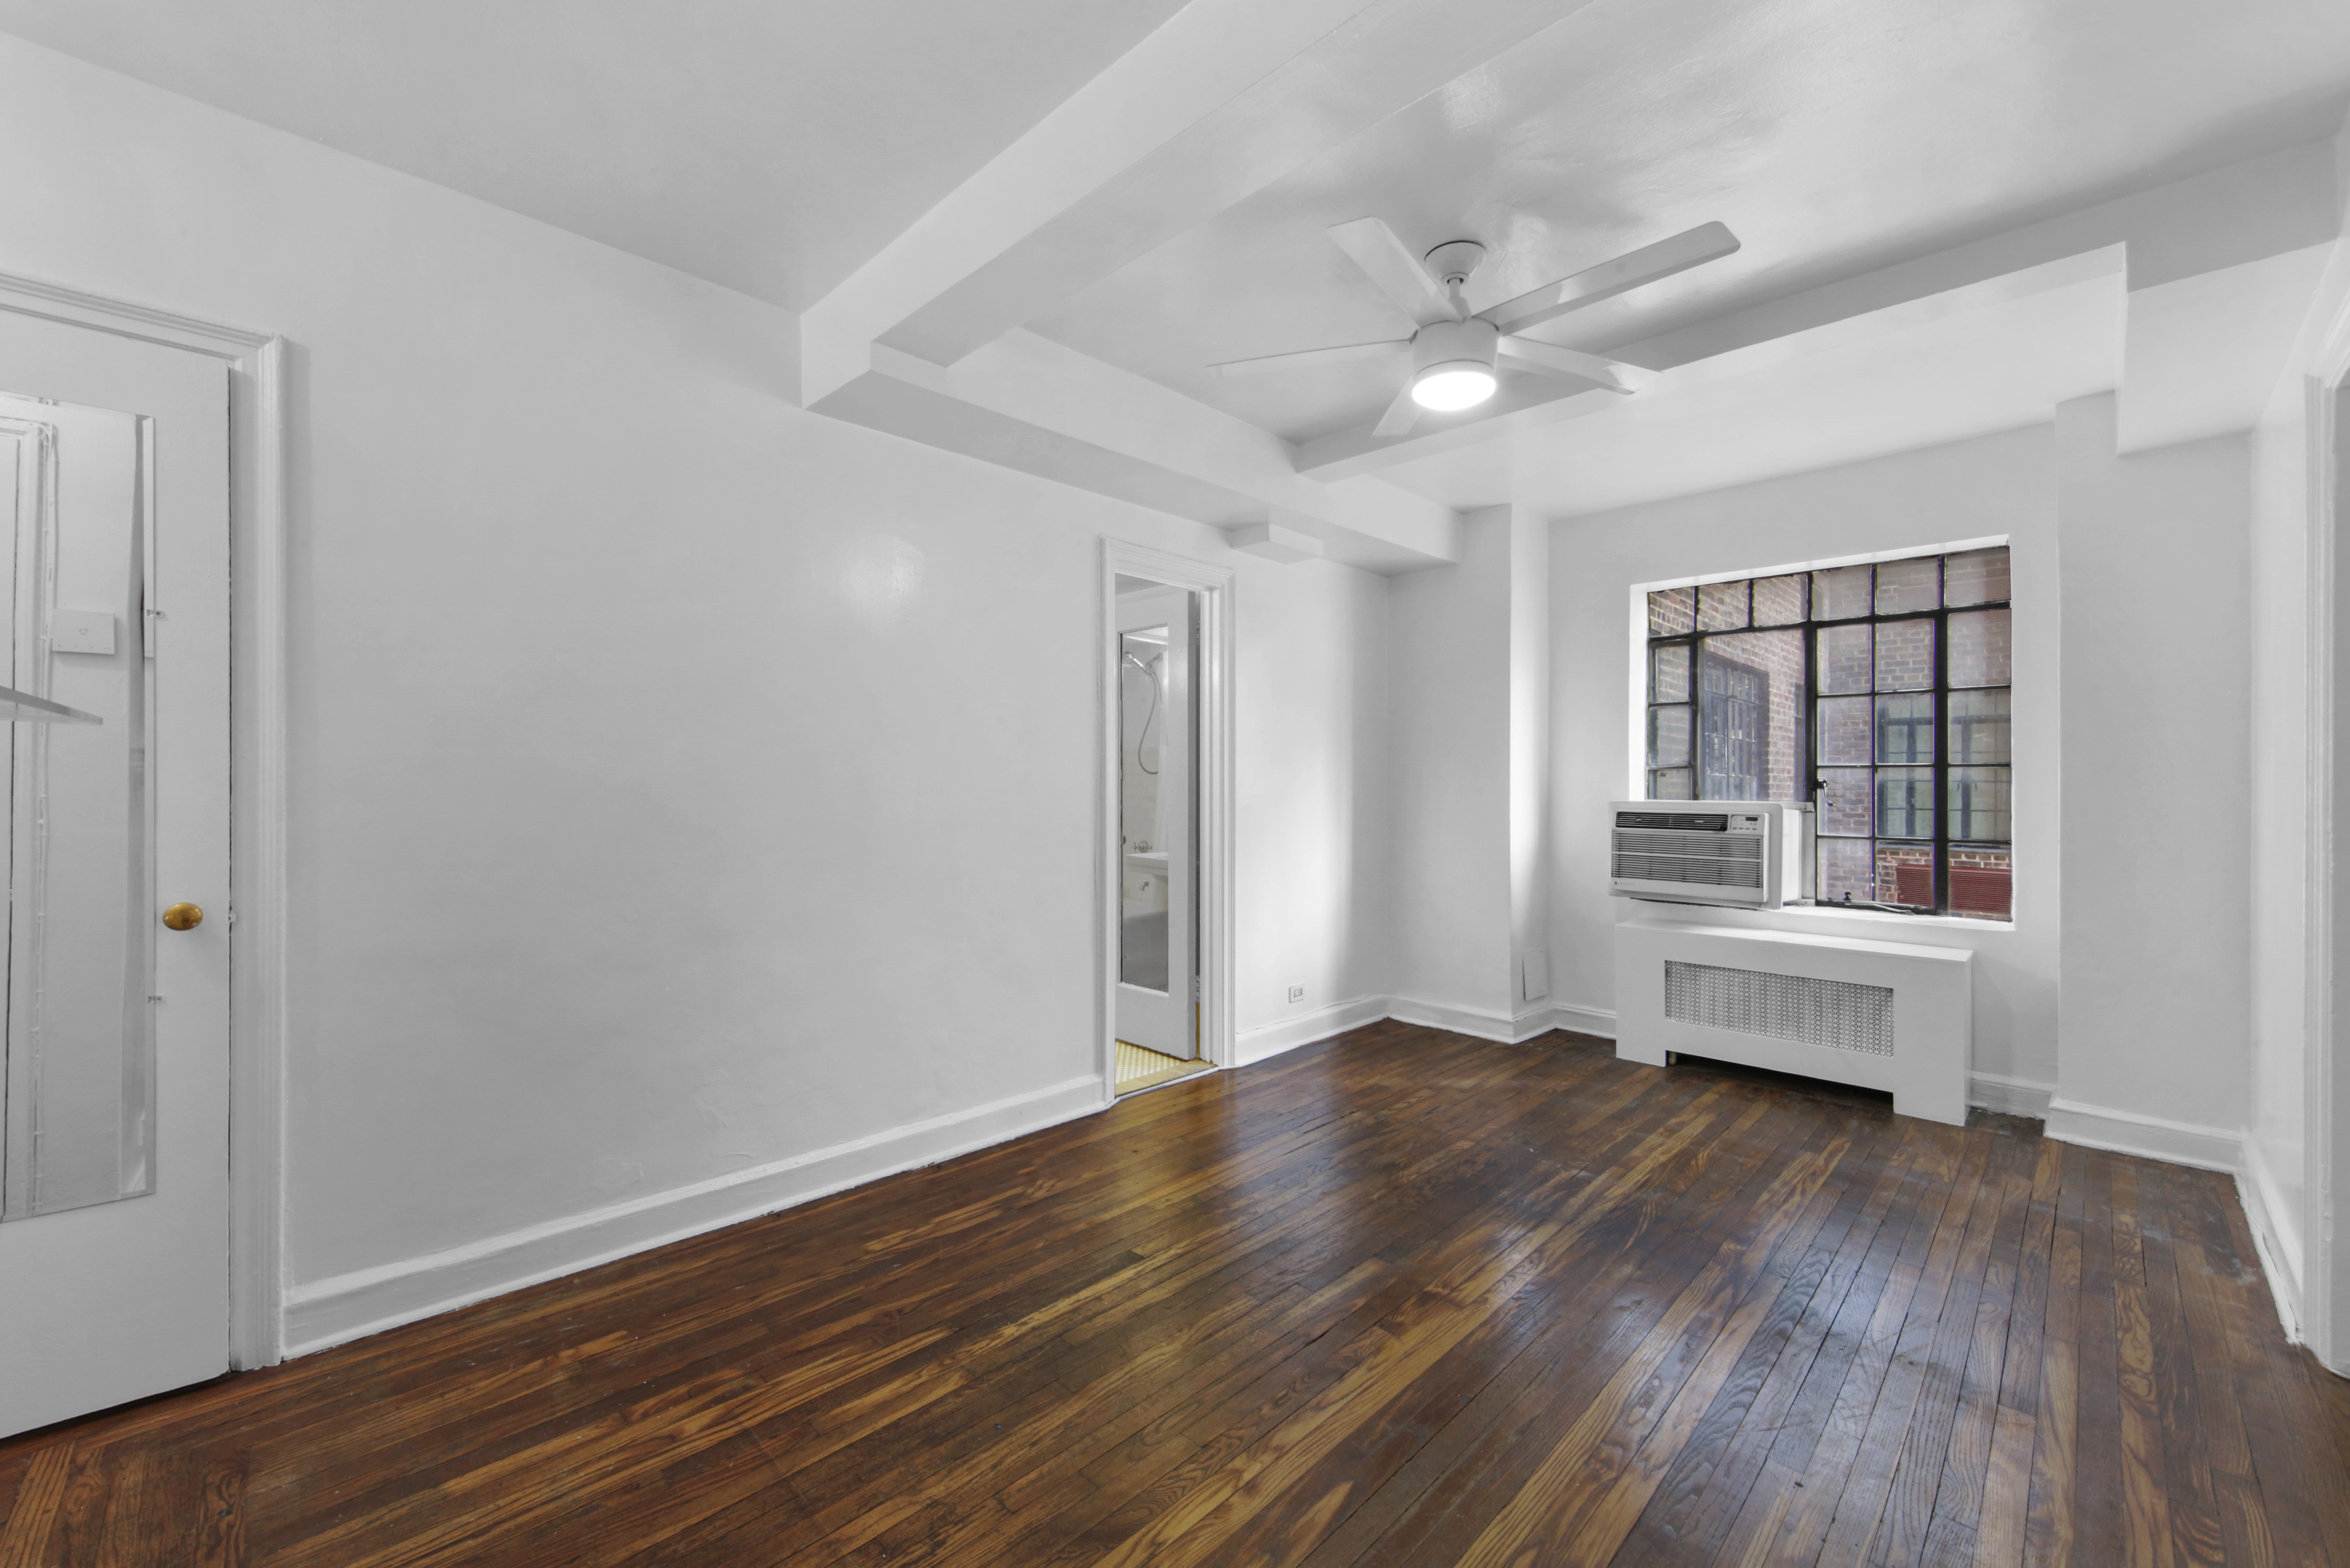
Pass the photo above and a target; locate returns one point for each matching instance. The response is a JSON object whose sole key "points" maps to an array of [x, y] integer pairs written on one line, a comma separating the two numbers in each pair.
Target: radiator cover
{"points": [[1897, 1016]]}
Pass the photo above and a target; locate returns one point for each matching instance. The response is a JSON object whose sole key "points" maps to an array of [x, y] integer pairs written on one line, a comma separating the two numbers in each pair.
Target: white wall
{"points": [[1311, 711], [1449, 673], [2158, 798], [1998, 485], [683, 784], [2279, 1181]]}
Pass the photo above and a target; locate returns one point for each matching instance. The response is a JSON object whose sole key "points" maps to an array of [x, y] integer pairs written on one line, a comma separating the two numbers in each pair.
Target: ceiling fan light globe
{"points": [[1450, 387]]}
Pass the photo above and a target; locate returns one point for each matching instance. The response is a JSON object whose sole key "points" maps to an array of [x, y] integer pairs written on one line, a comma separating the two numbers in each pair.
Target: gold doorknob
{"points": [[184, 917]]}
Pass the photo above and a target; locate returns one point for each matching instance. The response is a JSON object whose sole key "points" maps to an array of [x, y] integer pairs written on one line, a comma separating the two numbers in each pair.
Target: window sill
{"points": [[1887, 917]]}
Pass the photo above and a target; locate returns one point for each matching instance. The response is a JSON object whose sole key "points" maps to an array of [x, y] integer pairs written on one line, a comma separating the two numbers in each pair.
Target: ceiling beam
{"points": [[2274, 205], [1224, 99], [1026, 402]]}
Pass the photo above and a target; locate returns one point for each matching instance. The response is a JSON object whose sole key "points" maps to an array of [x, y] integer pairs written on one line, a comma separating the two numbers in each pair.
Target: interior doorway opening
{"points": [[1163, 887], [1158, 990]]}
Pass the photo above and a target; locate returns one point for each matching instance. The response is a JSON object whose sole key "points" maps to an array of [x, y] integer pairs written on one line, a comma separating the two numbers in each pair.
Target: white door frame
{"points": [[1212, 685], [257, 912], [2325, 1283]]}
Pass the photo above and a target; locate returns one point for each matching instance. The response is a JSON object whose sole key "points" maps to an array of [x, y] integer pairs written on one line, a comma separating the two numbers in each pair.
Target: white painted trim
{"points": [[258, 772], [368, 1301], [2009, 1096], [1599, 1021], [2279, 1253], [2154, 1138], [1213, 684], [1483, 1024], [2321, 1305], [1288, 1034]]}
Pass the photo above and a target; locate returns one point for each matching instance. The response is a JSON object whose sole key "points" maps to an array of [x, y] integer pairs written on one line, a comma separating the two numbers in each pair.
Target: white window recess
{"points": [[1895, 1016]]}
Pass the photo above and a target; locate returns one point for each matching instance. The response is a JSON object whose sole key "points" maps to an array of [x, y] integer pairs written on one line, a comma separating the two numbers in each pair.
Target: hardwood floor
{"points": [[1404, 1298]]}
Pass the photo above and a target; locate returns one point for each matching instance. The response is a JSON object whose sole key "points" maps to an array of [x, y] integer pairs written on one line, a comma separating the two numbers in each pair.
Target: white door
{"points": [[114, 1240], [1156, 1005]]}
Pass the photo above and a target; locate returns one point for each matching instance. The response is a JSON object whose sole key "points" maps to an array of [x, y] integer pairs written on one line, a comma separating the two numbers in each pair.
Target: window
{"points": [[1878, 693]]}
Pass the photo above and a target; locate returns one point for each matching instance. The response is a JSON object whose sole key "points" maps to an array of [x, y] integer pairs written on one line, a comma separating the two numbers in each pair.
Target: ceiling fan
{"points": [[1456, 358]]}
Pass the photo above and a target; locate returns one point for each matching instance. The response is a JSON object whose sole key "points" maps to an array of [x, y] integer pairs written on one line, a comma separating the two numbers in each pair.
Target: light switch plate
{"points": [[81, 631]]}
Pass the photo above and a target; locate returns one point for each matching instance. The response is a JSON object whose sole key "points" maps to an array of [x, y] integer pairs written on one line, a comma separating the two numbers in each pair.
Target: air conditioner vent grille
{"points": [[1837, 1014], [1700, 859]]}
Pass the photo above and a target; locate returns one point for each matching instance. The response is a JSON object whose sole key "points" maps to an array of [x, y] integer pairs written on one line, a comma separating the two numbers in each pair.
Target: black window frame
{"points": [[1942, 842]]}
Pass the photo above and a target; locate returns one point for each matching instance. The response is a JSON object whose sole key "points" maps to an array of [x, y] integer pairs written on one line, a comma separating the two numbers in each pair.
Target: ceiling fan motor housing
{"points": [[1465, 343]]}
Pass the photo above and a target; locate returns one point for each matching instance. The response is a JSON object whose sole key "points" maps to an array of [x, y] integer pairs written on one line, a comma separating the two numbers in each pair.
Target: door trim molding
{"points": [[2325, 1280], [256, 363], [1211, 683]]}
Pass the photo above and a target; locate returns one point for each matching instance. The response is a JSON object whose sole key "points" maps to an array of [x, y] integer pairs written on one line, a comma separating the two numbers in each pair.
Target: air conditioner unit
{"points": [[1751, 855]]}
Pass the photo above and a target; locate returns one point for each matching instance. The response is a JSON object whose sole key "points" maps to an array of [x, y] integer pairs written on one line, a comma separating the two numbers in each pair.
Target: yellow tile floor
{"points": [[1138, 1067]]}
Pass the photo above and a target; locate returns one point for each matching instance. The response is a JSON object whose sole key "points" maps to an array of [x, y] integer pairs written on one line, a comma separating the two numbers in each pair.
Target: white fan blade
{"points": [[1304, 357], [1547, 360], [1401, 415], [1397, 272], [1707, 241]]}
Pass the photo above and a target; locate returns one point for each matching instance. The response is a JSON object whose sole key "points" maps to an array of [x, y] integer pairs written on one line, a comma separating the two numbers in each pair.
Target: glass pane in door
{"points": [[1144, 834], [80, 1089]]}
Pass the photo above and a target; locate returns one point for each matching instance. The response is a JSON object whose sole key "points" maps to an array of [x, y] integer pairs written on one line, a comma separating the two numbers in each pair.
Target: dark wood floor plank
{"points": [[2146, 1496], [1596, 1321], [1717, 1468], [2052, 1516], [1962, 1373], [1584, 1326], [1400, 1300], [1795, 1437]]}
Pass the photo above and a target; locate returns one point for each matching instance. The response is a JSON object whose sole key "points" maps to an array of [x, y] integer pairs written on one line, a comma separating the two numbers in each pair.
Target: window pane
{"points": [[1905, 729], [1671, 784], [1980, 651], [1781, 601], [1844, 730], [1905, 656], [1844, 870], [1978, 804], [1669, 737], [1672, 611], [1982, 884], [1911, 584], [1905, 803], [1979, 726], [1905, 874], [1843, 802], [1844, 659], [1668, 673], [1841, 594], [1721, 607], [1750, 717], [1975, 577]]}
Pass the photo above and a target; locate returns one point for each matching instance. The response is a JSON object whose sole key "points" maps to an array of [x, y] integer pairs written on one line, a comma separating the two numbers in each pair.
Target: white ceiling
{"points": [[779, 146], [769, 145], [1832, 136]]}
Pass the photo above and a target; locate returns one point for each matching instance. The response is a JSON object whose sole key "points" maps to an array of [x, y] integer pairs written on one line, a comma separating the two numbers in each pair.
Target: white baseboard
{"points": [[2156, 1138], [2009, 1096], [1483, 1023], [1599, 1021], [2279, 1247], [366, 1301], [1288, 1034]]}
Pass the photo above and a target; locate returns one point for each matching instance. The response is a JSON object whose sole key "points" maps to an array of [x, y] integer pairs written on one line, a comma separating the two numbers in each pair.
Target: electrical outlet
{"points": [[1296, 993]]}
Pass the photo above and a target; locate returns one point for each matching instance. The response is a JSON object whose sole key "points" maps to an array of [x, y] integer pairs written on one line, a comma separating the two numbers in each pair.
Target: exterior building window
{"points": [[1877, 694]]}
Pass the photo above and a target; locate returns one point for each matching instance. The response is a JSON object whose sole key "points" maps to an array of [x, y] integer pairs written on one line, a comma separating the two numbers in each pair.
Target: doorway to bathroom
{"points": [[1165, 807]]}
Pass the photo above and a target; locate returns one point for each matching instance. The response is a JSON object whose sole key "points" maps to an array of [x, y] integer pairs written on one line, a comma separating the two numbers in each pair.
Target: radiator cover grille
{"points": [[1838, 1013], [1699, 860]]}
